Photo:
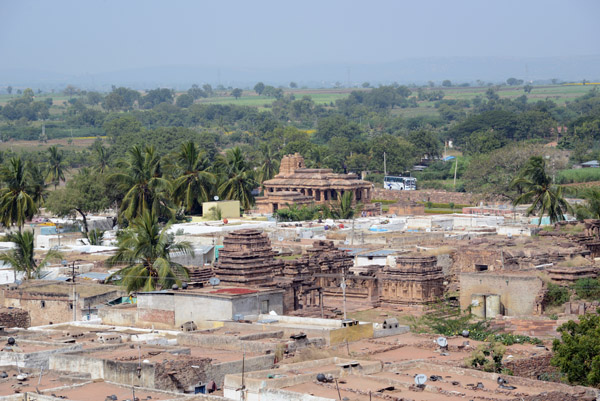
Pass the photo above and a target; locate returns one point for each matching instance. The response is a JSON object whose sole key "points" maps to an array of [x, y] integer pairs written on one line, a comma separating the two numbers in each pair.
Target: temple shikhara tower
{"points": [[247, 259], [300, 185]]}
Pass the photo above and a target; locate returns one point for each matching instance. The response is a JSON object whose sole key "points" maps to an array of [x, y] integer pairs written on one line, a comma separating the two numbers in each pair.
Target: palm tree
{"points": [[237, 178], [37, 184], [21, 258], [344, 208], [269, 165], [145, 188], [591, 208], [56, 166], [101, 159], [16, 203], [538, 189], [146, 250], [195, 183]]}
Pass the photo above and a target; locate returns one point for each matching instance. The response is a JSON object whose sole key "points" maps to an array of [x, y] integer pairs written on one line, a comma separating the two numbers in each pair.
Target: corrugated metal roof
{"points": [[380, 253]]}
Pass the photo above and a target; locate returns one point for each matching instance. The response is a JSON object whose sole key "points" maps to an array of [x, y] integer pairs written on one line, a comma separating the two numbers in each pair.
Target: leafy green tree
{"points": [[293, 85], [93, 98], [577, 353], [56, 166], [196, 92], [16, 203], [146, 250], [538, 189], [236, 93], [400, 154], [207, 88], [259, 88], [527, 88], [85, 193], [9, 89], [194, 182], [514, 81], [144, 186], [237, 181], [446, 83], [184, 100], [22, 257], [157, 96]]}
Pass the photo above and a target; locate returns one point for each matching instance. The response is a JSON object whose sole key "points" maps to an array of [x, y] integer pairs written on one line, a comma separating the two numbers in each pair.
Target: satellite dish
{"points": [[280, 239], [343, 285], [216, 198], [346, 242], [64, 262], [442, 342], [420, 379], [214, 281]]}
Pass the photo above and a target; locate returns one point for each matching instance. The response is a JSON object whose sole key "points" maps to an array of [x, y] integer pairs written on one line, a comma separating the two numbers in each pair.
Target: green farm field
{"points": [[250, 98]]}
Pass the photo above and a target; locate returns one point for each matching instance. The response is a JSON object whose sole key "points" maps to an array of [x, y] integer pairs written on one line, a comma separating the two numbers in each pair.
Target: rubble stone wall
{"points": [[14, 318], [424, 195], [532, 367]]}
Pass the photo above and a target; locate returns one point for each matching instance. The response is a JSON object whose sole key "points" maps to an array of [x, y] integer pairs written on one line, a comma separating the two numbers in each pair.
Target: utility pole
{"points": [[455, 168], [384, 165], [74, 292], [343, 285]]}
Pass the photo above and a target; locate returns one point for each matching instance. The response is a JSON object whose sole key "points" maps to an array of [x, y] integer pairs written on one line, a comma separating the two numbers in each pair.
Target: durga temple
{"points": [[300, 185]]}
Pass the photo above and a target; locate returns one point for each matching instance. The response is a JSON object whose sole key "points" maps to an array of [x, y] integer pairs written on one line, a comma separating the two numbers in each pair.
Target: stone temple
{"points": [[300, 185], [247, 259]]}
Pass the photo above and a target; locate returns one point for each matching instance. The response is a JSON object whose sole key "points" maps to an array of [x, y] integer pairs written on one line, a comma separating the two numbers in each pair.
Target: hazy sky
{"points": [[79, 37]]}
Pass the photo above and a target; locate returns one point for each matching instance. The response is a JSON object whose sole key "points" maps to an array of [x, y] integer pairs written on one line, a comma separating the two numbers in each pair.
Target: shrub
{"points": [[587, 288], [556, 295], [487, 357]]}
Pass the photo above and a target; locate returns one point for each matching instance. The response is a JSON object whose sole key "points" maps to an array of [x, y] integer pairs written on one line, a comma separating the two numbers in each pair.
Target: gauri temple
{"points": [[300, 185]]}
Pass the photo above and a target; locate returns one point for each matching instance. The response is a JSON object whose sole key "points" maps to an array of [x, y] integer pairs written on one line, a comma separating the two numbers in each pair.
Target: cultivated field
{"points": [[34, 146]]}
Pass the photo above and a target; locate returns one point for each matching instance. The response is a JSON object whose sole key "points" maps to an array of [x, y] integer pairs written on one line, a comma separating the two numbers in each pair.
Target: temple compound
{"points": [[247, 260], [300, 185]]}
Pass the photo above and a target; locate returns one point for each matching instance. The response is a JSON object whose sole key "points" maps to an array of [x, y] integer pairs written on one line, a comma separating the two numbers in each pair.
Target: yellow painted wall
{"points": [[229, 209]]}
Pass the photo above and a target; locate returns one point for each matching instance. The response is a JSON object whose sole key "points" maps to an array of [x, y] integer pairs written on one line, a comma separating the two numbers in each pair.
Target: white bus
{"points": [[399, 183]]}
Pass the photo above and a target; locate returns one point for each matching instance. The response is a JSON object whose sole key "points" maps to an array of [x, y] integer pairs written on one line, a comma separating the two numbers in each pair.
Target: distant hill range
{"points": [[418, 71]]}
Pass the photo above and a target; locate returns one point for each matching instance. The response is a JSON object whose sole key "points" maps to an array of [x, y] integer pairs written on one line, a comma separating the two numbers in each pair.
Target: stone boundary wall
{"points": [[37, 359], [223, 342], [531, 367], [425, 195], [218, 371], [14, 317]]}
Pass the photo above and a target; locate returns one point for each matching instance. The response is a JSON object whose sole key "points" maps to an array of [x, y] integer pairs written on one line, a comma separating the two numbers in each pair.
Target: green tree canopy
{"points": [[577, 353], [85, 193]]}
